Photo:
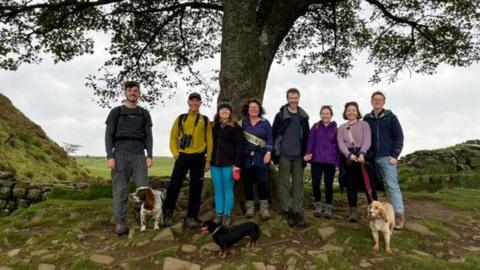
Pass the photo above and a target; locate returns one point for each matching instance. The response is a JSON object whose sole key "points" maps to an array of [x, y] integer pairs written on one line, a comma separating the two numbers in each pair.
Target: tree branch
{"points": [[335, 27], [182, 56], [422, 29], [155, 34], [192, 5], [11, 11]]}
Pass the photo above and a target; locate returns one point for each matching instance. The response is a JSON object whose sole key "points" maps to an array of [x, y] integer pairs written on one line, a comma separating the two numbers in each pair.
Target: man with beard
{"points": [[290, 135], [127, 136]]}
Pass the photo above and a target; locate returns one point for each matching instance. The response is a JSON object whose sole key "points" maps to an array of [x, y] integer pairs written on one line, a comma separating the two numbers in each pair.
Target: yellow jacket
{"points": [[199, 143]]}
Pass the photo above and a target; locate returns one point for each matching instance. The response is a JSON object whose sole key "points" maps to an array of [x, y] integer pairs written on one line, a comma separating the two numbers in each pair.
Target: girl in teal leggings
{"points": [[226, 158]]}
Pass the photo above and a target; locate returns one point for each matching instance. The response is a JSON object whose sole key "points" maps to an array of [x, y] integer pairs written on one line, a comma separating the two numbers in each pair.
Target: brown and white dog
{"points": [[382, 218], [152, 204]]}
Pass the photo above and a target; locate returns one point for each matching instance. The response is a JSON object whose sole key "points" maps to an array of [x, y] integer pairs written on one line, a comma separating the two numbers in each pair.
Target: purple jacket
{"points": [[322, 143]]}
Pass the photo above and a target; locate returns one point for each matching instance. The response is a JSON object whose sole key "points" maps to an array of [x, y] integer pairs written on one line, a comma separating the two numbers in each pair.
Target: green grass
{"points": [[84, 263], [147, 261], [438, 227], [19, 265], [459, 198], [95, 191], [162, 166], [411, 181]]}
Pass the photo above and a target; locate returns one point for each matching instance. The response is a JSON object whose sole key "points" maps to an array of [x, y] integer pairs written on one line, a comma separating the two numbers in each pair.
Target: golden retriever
{"points": [[382, 218]]}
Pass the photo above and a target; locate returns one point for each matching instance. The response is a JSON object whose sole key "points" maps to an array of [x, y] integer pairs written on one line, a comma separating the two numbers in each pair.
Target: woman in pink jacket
{"points": [[354, 140]]}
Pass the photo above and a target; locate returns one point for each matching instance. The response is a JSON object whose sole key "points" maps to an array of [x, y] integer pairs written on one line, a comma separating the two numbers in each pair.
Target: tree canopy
{"points": [[150, 39]]}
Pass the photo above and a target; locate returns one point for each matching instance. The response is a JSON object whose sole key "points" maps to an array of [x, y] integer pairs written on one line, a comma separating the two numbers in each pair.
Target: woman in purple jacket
{"points": [[354, 140], [323, 155]]}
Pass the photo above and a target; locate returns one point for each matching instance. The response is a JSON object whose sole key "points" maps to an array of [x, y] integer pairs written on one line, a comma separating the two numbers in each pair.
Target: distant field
{"points": [[162, 166]]}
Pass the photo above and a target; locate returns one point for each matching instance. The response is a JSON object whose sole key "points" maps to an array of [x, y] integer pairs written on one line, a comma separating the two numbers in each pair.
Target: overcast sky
{"points": [[435, 111]]}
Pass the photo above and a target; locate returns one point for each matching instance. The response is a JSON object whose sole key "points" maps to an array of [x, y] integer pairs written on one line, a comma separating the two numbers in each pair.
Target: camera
{"points": [[185, 141]]}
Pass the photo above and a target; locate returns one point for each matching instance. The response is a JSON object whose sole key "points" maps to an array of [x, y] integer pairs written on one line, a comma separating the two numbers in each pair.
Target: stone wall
{"points": [[20, 194]]}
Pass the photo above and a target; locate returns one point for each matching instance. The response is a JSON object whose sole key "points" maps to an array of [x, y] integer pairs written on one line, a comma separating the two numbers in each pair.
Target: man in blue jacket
{"points": [[387, 143]]}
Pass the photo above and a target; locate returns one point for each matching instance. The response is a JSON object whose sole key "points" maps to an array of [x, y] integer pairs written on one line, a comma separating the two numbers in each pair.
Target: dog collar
{"points": [[215, 231]]}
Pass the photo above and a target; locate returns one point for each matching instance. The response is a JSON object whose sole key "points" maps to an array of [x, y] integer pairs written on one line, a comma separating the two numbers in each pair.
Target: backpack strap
{"points": [[205, 125], [182, 117], [119, 112]]}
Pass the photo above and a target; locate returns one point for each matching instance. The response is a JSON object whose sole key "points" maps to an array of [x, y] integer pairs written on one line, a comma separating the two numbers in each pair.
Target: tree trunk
{"points": [[250, 40], [239, 80]]}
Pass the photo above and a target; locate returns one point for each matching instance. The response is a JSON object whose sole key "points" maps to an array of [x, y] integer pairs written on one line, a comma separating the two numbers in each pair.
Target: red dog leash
{"points": [[366, 181]]}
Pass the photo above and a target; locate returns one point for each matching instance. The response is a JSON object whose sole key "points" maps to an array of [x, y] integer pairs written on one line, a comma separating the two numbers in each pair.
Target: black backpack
{"points": [[122, 112]]}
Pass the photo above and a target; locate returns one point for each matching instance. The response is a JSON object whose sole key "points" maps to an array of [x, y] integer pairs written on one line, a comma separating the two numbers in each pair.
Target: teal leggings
{"points": [[223, 185]]}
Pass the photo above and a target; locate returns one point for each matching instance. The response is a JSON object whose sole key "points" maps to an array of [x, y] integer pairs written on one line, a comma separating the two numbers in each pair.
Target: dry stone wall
{"points": [[20, 194]]}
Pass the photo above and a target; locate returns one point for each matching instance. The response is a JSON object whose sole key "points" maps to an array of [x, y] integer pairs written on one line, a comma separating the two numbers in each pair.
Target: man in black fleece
{"points": [[128, 134]]}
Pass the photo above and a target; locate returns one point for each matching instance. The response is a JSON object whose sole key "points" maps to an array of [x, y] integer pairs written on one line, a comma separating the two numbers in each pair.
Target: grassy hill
{"points": [[162, 166], [26, 150]]}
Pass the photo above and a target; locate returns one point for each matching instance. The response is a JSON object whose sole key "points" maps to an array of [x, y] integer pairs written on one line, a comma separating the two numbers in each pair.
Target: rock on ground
{"points": [[14, 252], [189, 248], [46, 266], [101, 259], [165, 235], [176, 264], [418, 228], [325, 232]]}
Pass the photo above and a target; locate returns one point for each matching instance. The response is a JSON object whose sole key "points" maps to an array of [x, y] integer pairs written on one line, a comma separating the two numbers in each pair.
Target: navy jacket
{"points": [[262, 130], [280, 124], [387, 134]]}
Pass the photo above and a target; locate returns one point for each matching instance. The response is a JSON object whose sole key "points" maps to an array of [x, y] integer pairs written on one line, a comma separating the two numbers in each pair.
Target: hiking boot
{"points": [[300, 220], [327, 212], [121, 229], [193, 223], [167, 218], [264, 213], [318, 209], [250, 209], [218, 219], [399, 221], [353, 214], [291, 219], [227, 221]]}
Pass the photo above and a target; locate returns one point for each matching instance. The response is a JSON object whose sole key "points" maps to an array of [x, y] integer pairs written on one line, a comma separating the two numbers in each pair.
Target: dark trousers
{"points": [[328, 171], [354, 180], [259, 175], [195, 165]]}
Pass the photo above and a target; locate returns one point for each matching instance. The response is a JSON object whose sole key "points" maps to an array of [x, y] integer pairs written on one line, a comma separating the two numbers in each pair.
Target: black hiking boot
{"points": [[291, 219]]}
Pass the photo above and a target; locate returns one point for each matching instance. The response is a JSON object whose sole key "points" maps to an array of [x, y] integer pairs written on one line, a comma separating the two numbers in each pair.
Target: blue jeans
{"points": [[223, 185], [390, 177]]}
